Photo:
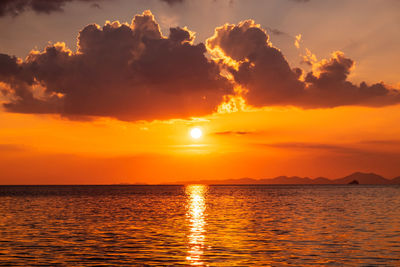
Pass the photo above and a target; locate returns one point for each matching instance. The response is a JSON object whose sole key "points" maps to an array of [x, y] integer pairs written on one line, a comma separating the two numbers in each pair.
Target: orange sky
{"points": [[46, 149], [321, 122]]}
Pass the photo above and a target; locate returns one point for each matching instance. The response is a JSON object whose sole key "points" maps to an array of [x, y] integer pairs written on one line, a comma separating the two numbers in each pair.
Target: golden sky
{"points": [[92, 96]]}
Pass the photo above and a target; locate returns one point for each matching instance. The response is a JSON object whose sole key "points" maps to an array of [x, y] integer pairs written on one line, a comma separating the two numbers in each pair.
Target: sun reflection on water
{"points": [[195, 213]]}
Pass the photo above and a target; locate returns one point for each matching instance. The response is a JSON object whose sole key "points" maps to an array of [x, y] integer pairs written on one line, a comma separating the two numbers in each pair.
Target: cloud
{"points": [[344, 149], [130, 72], [269, 80], [96, 5], [262, 68], [329, 87], [276, 31], [317, 146], [16, 7], [231, 2], [362, 147], [172, 2], [12, 148], [297, 41], [234, 133], [389, 143], [133, 72]]}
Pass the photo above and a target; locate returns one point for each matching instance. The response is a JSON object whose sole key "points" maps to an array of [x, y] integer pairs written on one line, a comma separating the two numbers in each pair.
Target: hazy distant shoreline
{"points": [[361, 178]]}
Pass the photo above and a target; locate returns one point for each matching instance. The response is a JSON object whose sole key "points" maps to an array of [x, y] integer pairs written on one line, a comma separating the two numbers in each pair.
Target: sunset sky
{"points": [[107, 91]]}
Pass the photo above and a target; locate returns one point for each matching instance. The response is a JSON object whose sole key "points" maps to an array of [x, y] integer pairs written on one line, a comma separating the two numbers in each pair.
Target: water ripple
{"points": [[199, 225]]}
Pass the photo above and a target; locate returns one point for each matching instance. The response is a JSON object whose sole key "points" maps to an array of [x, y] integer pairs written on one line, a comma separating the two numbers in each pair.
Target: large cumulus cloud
{"points": [[133, 72], [262, 68], [264, 71], [328, 86], [130, 72]]}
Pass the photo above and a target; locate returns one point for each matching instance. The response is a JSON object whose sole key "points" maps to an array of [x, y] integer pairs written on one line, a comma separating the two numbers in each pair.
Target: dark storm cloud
{"points": [[15, 7], [264, 71], [130, 72]]}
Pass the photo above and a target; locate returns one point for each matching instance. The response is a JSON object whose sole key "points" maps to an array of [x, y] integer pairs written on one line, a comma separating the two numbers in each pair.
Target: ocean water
{"points": [[200, 225]]}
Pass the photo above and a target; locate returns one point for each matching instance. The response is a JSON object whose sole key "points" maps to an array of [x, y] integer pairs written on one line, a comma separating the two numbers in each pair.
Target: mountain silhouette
{"points": [[396, 180], [360, 177], [364, 178]]}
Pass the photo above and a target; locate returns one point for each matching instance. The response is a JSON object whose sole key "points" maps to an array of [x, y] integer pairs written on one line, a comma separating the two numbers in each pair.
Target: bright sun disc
{"points": [[196, 133]]}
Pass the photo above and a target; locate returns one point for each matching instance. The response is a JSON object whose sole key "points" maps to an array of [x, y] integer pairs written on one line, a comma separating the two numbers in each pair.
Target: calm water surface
{"points": [[199, 225]]}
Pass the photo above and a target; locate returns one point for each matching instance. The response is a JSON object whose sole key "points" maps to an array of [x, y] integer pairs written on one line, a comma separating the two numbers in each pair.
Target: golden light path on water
{"points": [[195, 213]]}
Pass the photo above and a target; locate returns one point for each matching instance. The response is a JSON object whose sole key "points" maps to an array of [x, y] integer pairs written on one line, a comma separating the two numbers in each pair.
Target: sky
{"points": [[107, 91]]}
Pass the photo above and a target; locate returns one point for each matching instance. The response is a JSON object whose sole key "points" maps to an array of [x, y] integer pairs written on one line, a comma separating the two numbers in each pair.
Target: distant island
{"points": [[355, 178], [354, 182]]}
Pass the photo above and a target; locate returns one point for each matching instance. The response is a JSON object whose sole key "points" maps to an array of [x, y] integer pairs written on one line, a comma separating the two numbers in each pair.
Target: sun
{"points": [[196, 133]]}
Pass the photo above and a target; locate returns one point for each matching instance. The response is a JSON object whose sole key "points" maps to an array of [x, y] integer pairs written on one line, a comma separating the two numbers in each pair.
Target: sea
{"points": [[243, 225]]}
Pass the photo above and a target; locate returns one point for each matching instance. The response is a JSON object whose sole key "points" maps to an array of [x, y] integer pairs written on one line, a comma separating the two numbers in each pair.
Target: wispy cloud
{"points": [[16, 7], [172, 2], [234, 133], [381, 142], [299, 146], [12, 148]]}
